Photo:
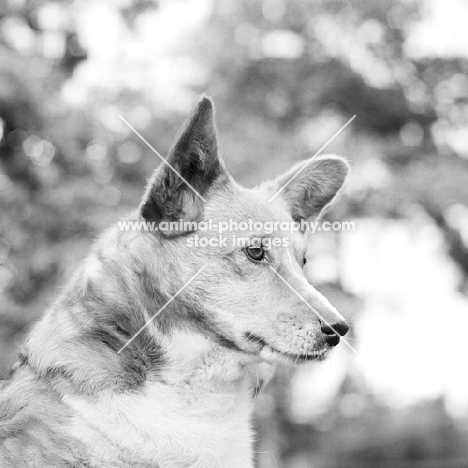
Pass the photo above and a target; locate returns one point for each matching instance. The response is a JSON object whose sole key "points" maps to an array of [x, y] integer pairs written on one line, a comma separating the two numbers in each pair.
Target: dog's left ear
{"points": [[178, 187], [309, 186]]}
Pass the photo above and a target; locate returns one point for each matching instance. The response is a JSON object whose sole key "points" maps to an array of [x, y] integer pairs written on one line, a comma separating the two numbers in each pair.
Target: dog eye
{"points": [[256, 253], [304, 261]]}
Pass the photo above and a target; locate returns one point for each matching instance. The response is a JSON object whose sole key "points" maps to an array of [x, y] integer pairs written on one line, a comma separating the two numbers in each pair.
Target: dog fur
{"points": [[180, 395]]}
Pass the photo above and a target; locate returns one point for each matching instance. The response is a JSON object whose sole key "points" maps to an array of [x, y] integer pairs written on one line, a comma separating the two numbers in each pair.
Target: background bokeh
{"points": [[285, 76]]}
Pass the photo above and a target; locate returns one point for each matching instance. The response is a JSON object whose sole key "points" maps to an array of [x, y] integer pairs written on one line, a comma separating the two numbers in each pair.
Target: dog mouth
{"points": [[269, 352]]}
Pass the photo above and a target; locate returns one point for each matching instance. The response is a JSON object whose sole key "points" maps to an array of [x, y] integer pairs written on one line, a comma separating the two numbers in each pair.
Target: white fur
{"points": [[199, 411]]}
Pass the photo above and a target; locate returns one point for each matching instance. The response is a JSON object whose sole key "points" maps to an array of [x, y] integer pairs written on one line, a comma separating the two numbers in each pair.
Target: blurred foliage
{"points": [[285, 76]]}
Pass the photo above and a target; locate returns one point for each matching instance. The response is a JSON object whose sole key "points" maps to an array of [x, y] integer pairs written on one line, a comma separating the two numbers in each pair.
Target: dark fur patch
{"points": [[114, 326], [107, 322], [202, 322]]}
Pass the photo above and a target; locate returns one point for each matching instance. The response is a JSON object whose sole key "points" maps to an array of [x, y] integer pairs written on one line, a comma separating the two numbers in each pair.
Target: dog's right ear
{"points": [[178, 187]]}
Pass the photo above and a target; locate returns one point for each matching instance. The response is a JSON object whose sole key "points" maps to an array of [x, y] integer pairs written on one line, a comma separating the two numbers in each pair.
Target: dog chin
{"points": [[271, 354]]}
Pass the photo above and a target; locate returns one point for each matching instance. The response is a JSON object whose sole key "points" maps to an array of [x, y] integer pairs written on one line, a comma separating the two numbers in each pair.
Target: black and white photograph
{"points": [[233, 233]]}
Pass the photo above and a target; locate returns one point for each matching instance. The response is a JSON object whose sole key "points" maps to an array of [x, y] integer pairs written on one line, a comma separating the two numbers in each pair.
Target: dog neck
{"points": [[200, 365], [179, 391]]}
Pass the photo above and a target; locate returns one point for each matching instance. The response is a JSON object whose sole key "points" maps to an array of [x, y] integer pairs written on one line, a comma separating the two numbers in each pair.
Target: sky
{"points": [[443, 31]]}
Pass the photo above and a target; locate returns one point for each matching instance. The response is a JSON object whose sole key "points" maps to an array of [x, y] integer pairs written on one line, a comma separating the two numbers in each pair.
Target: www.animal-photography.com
{"points": [[233, 233]]}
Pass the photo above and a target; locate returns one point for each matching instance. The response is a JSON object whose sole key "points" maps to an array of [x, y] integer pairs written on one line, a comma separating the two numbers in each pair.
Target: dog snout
{"points": [[333, 331]]}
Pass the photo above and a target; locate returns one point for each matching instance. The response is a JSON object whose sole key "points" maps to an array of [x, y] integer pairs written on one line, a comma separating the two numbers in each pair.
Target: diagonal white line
{"points": [[160, 157], [312, 158], [160, 310], [311, 308]]}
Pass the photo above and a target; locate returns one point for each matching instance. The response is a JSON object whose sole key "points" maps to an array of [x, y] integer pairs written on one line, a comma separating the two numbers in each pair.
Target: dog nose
{"points": [[339, 327], [334, 331]]}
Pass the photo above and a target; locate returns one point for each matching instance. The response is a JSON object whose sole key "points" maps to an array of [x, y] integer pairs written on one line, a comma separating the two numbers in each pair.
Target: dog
{"points": [[154, 352]]}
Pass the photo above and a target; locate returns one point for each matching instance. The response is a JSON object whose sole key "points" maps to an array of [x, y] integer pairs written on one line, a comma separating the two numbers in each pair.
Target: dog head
{"points": [[170, 293], [234, 256]]}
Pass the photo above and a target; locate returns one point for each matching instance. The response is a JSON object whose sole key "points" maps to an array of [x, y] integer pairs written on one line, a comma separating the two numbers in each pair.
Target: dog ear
{"points": [[178, 187], [309, 186]]}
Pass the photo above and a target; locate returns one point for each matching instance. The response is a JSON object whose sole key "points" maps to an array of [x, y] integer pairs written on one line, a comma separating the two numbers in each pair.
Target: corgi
{"points": [[154, 352]]}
